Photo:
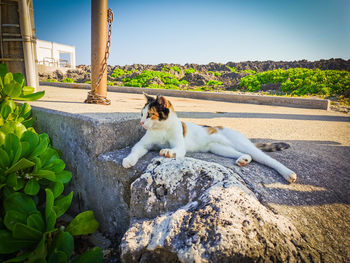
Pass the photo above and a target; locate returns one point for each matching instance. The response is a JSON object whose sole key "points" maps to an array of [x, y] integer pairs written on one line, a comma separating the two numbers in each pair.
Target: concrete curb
{"points": [[322, 104]]}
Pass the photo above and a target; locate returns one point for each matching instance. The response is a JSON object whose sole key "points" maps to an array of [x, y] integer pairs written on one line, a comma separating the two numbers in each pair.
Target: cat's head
{"points": [[156, 112]]}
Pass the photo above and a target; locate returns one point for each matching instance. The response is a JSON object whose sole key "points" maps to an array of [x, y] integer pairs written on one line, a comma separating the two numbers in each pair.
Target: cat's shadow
{"points": [[322, 168]]}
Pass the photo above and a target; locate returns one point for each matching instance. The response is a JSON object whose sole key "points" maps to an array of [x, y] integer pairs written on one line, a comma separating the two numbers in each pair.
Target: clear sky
{"points": [[203, 31]]}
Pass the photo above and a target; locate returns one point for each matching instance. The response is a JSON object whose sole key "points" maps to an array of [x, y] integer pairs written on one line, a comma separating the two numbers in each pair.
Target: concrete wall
{"points": [[97, 184], [312, 103]]}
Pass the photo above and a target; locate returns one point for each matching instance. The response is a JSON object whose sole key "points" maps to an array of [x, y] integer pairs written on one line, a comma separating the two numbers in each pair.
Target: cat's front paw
{"points": [[129, 162], [244, 160], [168, 153]]}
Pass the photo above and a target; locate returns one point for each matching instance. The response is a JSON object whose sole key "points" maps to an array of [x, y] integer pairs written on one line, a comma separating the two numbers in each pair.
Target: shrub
{"points": [[117, 73], [68, 80], [233, 69], [166, 69], [143, 79], [301, 81], [32, 181], [215, 73], [51, 80], [190, 70], [214, 83], [249, 71], [177, 69], [184, 82]]}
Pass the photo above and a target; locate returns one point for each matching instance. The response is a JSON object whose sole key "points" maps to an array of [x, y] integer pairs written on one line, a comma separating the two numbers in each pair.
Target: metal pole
{"points": [[26, 31], [98, 45]]}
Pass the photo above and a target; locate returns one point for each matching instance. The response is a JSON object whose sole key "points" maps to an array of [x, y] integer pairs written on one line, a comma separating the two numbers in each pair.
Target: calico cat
{"points": [[174, 137]]}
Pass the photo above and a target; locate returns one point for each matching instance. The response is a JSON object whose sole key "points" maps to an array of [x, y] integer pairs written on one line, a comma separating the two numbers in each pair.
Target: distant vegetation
{"points": [[154, 79], [324, 78], [300, 81]]}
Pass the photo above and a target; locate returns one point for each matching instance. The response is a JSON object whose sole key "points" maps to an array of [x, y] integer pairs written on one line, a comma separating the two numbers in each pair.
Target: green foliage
{"points": [[117, 73], [32, 180], [143, 80], [13, 86], [51, 80], [249, 71], [214, 83], [184, 82], [68, 80], [215, 73], [110, 83], [233, 69], [301, 81], [87, 82], [166, 69], [190, 70], [177, 69]]}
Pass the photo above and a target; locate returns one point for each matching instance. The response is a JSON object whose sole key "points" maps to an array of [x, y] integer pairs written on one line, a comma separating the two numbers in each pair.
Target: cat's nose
{"points": [[142, 123]]}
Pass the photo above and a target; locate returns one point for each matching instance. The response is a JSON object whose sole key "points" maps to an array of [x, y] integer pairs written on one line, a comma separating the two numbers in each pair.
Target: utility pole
{"points": [[99, 51]]}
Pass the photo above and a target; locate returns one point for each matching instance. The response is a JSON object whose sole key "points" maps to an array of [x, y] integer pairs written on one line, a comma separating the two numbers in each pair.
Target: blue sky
{"points": [[202, 31]]}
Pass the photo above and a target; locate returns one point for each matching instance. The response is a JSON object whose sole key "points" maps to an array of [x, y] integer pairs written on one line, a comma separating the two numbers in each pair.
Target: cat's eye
{"points": [[148, 115]]}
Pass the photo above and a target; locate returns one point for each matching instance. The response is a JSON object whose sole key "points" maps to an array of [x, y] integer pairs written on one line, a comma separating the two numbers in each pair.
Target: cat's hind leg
{"points": [[265, 159], [227, 151]]}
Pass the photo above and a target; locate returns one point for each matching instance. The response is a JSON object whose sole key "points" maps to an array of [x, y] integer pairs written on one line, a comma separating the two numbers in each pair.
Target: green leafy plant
{"points": [[143, 80], [190, 70], [117, 73], [166, 69], [249, 71], [13, 86], [177, 69], [214, 83], [51, 80], [301, 81], [68, 80], [232, 69], [32, 181], [215, 73]]}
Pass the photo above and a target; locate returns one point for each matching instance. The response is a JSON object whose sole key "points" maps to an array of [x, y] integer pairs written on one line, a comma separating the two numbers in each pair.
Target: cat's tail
{"points": [[272, 147]]}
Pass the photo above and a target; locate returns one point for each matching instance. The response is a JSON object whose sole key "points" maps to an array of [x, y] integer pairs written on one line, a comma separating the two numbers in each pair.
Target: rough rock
{"points": [[196, 211], [196, 79], [155, 81]]}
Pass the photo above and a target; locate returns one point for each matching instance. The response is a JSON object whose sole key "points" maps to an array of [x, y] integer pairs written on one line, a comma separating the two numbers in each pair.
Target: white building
{"points": [[55, 55]]}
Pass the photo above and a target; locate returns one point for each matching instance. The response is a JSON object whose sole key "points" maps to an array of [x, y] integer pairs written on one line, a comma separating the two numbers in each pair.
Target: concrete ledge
{"points": [[82, 138], [322, 104]]}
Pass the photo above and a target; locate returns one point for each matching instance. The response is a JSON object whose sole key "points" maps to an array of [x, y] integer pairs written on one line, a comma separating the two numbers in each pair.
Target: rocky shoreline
{"points": [[197, 77], [82, 73]]}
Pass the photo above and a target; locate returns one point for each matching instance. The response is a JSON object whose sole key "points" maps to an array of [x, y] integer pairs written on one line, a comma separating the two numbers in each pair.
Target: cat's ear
{"points": [[163, 101], [148, 97]]}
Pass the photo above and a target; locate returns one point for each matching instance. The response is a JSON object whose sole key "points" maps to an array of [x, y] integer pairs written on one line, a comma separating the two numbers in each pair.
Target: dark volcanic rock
{"points": [[196, 79]]}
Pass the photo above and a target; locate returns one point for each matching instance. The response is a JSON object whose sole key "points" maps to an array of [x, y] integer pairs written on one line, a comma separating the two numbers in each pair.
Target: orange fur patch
{"points": [[184, 129], [154, 114], [220, 127], [212, 130]]}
